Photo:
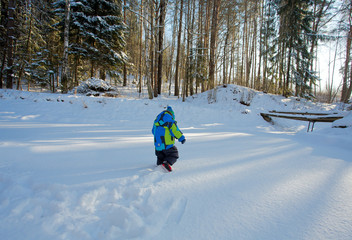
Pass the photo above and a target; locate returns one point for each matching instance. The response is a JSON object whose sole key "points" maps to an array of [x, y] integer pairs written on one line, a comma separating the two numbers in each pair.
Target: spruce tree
{"points": [[295, 26], [45, 59], [96, 33]]}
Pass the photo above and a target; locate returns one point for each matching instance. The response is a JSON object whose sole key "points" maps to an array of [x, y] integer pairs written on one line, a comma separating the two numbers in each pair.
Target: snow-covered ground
{"points": [[76, 167]]}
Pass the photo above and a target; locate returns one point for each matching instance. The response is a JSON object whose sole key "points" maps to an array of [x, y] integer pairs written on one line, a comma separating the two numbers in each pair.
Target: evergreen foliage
{"points": [[96, 33]]}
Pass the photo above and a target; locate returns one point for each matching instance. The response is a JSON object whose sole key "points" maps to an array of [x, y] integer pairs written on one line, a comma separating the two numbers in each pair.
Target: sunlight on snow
{"points": [[210, 136], [45, 125], [92, 143]]}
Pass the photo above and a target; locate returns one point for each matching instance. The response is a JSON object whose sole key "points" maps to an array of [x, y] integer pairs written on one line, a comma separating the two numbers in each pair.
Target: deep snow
{"points": [[75, 167]]}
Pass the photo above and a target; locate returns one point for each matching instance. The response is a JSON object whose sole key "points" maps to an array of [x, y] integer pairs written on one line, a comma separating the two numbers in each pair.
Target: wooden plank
{"points": [[266, 117], [303, 113], [319, 118], [309, 117]]}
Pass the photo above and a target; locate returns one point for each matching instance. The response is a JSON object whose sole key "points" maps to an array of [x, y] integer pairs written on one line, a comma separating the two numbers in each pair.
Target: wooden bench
{"points": [[312, 118]]}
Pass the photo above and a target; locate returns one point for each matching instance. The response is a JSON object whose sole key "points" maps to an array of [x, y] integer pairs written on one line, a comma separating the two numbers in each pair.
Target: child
{"points": [[165, 130]]}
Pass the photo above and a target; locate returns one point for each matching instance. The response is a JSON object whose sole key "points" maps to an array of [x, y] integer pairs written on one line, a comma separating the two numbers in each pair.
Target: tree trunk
{"points": [[200, 50], [187, 58], [225, 66], [177, 89], [148, 73], [2, 68], [92, 69], [349, 91], [153, 54], [213, 42], [193, 51], [161, 41], [230, 78], [286, 86], [22, 61], [124, 64], [64, 77], [140, 48], [169, 72], [102, 74], [10, 39], [345, 89], [206, 43], [3, 18], [244, 55]]}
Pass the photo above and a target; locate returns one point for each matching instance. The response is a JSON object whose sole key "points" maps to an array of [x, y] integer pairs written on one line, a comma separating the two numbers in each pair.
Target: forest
{"points": [[180, 47]]}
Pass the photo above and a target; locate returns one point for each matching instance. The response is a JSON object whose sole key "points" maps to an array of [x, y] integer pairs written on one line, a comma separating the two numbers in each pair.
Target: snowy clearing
{"points": [[76, 167]]}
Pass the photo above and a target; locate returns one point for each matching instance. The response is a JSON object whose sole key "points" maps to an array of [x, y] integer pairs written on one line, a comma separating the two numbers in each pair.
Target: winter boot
{"points": [[167, 166]]}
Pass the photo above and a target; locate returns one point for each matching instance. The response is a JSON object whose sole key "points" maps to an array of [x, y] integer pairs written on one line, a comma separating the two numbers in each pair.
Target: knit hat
{"points": [[169, 109]]}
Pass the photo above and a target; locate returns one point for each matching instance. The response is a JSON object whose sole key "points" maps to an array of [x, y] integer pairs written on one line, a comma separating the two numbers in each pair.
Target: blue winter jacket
{"points": [[165, 130]]}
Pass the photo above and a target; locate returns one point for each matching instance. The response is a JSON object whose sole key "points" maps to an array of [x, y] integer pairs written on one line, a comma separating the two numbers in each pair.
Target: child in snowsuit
{"points": [[165, 130]]}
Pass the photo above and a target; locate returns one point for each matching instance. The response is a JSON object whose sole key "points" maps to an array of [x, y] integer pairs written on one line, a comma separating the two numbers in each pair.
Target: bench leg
{"points": [[313, 123]]}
